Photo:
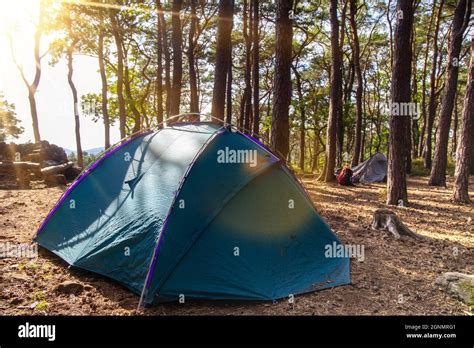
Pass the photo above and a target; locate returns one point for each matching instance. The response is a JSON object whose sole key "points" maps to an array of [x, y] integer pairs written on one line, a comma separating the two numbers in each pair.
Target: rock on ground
{"points": [[458, 285]]}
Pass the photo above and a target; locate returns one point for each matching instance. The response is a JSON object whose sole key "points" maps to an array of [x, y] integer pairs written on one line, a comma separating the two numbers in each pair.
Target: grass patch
{"points": [[418, 169], [39, 296], [469, 290], [383, 193], [47, 276], [42, 306], [32, 265]]}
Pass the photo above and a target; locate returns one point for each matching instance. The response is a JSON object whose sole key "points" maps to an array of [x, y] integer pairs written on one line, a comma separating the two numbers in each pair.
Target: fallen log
{"points": [[12, 167], [59, 169], [385, 219], [55, 179]]}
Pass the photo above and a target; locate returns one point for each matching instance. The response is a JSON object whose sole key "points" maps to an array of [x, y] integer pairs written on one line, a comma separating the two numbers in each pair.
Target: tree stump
{"points": [[387, 220]]}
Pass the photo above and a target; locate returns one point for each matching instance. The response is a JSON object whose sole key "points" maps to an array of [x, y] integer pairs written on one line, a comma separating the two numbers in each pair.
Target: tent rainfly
{"points": [[195, 210], [372, 170]]}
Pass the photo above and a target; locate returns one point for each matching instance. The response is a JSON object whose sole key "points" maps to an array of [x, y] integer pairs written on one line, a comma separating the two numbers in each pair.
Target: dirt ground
{"points": [[396, 277]]}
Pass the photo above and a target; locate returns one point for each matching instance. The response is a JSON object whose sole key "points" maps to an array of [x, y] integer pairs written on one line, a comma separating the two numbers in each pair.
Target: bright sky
{"points": [[53, 98]]}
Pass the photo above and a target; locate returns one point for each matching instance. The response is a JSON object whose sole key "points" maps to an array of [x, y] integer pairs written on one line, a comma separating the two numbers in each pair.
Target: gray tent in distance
{"points": [[372, 170]]}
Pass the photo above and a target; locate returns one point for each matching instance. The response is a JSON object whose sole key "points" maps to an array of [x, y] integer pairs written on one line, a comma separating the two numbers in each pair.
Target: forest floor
{"points": [[395, 278]]}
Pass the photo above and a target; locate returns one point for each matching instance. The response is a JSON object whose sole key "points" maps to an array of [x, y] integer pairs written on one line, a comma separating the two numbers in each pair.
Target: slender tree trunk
{"points": [[412, 121], [131, 100], [223, 57], [400, 92], [302, 109], [461, 17], [34, 115], [243, 100], [103, 79], [335, 94], [390, 32], [340, 116], [358, 71], [362, 147], [471, 164], [177, 43], [228, 108], [247, 31], [424, 89], [70, 71], [194, 107], [316, 153], [455, 126], [121, 100], [282, 83], [432, 96], [33, 86], [255, 70], [465, 150], [167, 57], [159, 68]]}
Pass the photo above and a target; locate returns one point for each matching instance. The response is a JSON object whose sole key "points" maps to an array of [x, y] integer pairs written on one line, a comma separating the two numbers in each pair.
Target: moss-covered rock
{"points": [[458, 285]]}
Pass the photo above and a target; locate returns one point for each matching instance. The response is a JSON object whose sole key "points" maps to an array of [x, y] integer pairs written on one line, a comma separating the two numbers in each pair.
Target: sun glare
{"points": [[18, 19], [13, 13]]}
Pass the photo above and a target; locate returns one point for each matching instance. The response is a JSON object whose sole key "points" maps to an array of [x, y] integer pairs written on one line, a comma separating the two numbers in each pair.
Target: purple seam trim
{"points": [[81, 178], [157, 248]]}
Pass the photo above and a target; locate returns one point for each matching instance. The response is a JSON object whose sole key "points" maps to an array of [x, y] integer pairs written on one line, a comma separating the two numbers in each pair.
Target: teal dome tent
{"points": [[196, 210]]}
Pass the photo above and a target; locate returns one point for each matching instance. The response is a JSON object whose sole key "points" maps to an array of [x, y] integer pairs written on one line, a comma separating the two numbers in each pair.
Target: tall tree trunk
{"points": [[471, 164], [121, 100], [400, 93], [351, 74], [33, 86], [177, 43], [228, 108], [432, 96], [461, 18], [159, 68], [194, 107], [247, 96], [424, 76], [390, 32], [302, 109], [358, 72], [255, 70], [70, 71], [454, 145], [131, 100], [412, 120], [282, 83], [334, 94], [316, 152], [167, 57], [103, 79], [223, 57], [465, 151], [34, 115]]}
